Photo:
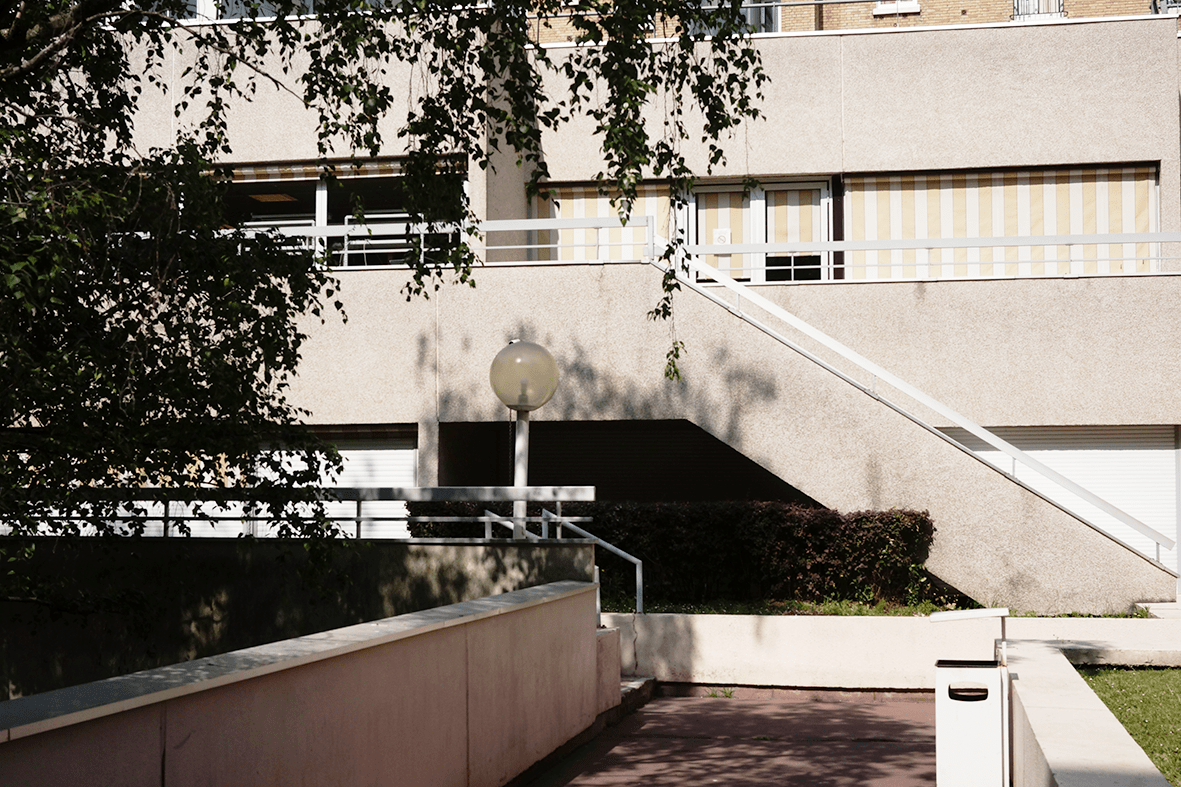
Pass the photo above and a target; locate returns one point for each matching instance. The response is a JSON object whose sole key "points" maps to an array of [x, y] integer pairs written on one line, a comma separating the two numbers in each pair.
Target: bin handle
{"points": [[968, 692]]}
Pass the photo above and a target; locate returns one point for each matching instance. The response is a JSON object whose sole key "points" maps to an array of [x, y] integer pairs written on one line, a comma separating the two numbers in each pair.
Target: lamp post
{"points": [[524, 376]]}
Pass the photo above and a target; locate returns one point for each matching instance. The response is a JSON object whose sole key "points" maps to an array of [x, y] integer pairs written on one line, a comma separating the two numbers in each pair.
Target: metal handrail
{"points": [[517, 251], [492, 518], [880, 374], [563, 522], [376, 233]]}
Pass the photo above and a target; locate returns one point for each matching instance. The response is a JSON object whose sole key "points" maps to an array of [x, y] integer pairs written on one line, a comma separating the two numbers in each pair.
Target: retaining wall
{"points": [[151, 602], [1063, 735], [466, 694], [863, 652]]}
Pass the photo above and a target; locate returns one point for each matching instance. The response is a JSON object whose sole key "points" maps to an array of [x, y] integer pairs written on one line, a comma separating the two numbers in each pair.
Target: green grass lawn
{"points": [[1148, 703], [627, 603], [772, 607]]}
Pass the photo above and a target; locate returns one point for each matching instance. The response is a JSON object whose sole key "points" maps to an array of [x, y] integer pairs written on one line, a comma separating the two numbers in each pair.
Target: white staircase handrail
{"points": [[562, 522]]}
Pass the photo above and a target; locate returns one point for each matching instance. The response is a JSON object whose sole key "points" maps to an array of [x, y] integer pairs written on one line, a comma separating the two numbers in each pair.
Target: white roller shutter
{"points": [[386, 462], [1134, 468]]}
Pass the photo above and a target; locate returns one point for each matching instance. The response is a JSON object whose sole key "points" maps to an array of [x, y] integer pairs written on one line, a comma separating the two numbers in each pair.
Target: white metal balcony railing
{"points": [[157, 512], [606, 240], [503, 243]]}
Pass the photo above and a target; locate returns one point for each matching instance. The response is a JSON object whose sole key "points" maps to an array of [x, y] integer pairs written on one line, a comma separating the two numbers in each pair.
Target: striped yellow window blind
{"points": [[723, 218], [584, 245], [729, 217], [1002, 204], [793, 215]]}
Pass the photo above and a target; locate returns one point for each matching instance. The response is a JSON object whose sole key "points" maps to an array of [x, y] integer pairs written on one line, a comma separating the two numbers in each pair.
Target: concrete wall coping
{"points": [[1130, 642], [64, 707], [1078, 741]]}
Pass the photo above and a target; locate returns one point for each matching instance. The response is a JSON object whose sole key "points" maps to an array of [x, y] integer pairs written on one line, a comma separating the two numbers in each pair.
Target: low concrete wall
{"points": [[151, 602], [862, 652], [797, 651], [609, 687], [1063, 734], [468, 694]]}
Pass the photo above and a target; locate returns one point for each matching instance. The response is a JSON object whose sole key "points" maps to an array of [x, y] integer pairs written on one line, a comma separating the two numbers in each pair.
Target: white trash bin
{"points": [[971, 722], [972, 713]]}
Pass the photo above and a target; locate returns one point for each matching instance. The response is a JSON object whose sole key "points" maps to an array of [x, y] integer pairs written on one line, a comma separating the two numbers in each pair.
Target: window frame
{"points": [[337, 254], [755, 217]]}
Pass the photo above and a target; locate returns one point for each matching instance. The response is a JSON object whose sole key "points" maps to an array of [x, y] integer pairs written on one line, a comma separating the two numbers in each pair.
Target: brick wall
{"points": [[854, 16], [932, 12], [1082, 9]]}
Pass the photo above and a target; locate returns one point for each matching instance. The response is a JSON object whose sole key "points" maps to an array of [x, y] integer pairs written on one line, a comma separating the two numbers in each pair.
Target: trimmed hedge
{"points": [[739, 550]]}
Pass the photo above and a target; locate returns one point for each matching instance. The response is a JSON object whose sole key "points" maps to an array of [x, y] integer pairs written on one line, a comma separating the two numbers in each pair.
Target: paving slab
{"points": [[747, 742]]}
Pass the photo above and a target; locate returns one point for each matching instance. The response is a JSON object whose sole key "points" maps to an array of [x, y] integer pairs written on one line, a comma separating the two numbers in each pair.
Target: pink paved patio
{"points": [[761, 738]]}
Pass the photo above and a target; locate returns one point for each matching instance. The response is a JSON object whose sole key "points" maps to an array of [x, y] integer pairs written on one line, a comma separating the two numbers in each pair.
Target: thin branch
{"points": [[39, 118], [212, 43]]}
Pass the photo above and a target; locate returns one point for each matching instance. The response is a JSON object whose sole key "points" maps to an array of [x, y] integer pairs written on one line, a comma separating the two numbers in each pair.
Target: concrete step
{"points": [[635, 693], [1169, 610]]}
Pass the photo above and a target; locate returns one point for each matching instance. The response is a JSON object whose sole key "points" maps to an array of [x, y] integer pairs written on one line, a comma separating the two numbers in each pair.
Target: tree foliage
{"points": [[141, 341]]}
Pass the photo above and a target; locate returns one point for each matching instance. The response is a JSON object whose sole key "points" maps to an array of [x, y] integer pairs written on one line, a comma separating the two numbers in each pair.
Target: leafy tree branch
{"points": [[144, 341]]}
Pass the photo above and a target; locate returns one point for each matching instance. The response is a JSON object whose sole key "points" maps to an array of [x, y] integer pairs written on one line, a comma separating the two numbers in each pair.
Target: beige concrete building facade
{"points": [[882, 149]]}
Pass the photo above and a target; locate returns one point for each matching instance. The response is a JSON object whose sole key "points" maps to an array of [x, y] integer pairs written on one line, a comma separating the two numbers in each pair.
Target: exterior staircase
{"points": [[997, 540]]}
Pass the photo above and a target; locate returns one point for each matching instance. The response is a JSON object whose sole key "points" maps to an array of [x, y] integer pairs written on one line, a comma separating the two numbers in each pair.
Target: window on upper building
{"points": [[896, 7], [1029, 9], [761, 15], [772, 213], [369, 199], [208, 10]]}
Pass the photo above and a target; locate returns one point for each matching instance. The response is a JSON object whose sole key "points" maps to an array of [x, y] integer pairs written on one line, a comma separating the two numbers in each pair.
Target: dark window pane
{"points": [[797, 268]]}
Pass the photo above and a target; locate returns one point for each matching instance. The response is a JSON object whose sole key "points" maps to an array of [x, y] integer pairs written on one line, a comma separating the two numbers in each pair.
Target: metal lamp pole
{"points": [[524, 376]]}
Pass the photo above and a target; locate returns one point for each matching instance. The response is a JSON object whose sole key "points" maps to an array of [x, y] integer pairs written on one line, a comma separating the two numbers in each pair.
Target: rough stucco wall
{"points": [[273, 126], [1016, 352], [1005, 353], [1025, 95], [841, 102], [997, 96], [995, 541]]}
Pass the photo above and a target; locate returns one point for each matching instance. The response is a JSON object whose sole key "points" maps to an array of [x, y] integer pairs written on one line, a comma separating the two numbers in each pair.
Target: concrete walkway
{"points": [[761, 738]]}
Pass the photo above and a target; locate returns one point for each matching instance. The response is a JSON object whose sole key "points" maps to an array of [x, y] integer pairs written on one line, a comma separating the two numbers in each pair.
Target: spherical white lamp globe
{"points": [[524, 375]]}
